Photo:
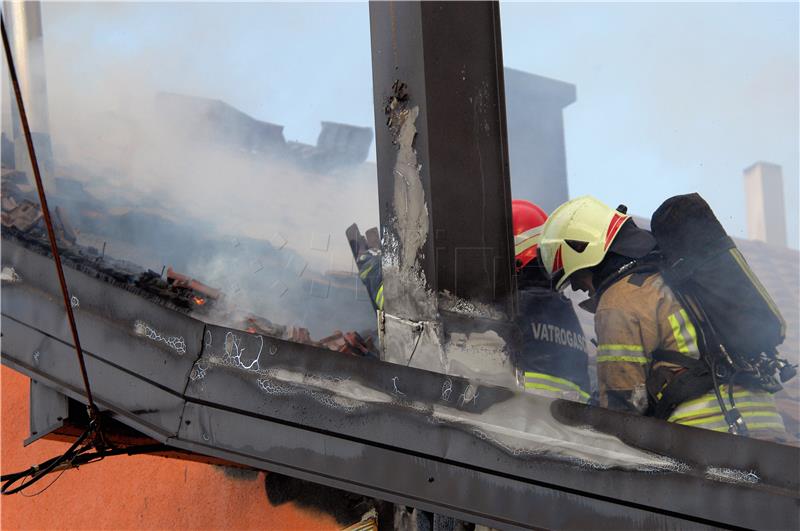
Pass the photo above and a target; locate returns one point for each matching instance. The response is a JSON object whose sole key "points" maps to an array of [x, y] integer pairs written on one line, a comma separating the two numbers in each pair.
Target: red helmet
{"points": [[528, 222]]}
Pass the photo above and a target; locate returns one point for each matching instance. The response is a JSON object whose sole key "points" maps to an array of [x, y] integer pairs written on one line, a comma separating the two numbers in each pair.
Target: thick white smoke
{"points": [[274, 227]]}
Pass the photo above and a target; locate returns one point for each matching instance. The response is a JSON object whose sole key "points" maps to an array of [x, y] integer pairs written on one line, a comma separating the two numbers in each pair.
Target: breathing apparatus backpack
{"points": [[739, 326]]}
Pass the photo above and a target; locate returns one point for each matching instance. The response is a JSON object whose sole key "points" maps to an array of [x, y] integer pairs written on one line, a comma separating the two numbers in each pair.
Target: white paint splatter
{"points": [[176, 343], [9, 274]]}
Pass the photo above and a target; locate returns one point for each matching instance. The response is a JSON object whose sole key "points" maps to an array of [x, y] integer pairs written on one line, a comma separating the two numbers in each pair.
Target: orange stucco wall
{"points": [[139, 492]]}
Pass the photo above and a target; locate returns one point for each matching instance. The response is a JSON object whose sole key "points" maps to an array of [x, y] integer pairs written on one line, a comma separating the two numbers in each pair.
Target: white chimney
{"points": [[766, 216], [24, 24]]}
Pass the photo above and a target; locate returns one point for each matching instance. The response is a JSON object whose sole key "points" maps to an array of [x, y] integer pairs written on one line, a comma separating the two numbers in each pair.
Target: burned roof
{"points": [[338, 145]]}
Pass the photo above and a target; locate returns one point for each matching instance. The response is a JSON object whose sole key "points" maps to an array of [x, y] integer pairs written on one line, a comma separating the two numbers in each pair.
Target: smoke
{"points": [[261, 226]]}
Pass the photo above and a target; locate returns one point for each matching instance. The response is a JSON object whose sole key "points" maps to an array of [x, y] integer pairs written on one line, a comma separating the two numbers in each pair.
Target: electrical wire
{"points": [[705, 328], [92, 408], [78, 454], [21, 493], [420, 328]]}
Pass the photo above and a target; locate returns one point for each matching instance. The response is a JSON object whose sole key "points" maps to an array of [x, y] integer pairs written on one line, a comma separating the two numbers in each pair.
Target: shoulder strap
{"points": [[676, 358]]}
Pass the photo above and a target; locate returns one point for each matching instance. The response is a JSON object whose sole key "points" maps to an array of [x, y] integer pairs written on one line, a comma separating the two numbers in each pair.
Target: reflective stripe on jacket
{"points": [[553, 387], [552, 360], [758, 410], [371, 274], [635, 316]]}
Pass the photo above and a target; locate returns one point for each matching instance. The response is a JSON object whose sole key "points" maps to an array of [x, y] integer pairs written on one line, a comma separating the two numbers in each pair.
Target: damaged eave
{"points": [[329, 417]]}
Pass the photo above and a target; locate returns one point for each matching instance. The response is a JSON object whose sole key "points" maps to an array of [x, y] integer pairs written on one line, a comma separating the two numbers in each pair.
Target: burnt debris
{"points": [[22, 221]]}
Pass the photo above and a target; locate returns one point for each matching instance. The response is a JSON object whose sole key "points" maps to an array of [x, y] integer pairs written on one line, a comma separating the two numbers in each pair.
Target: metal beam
{"points": [[443, 179], [441, 146]]}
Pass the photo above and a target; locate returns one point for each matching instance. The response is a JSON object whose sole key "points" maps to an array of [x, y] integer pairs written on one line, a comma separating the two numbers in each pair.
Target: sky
{"points": [[671, 98]]}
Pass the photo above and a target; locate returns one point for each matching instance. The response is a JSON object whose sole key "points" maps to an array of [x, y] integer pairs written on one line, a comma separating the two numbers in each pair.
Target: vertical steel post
{"points": [[443, 179], [24, 24], [440, 66]]}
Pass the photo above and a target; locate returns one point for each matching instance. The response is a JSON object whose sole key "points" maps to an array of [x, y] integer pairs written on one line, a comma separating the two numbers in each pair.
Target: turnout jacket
{"points": [[553, 360], [639, 314]]}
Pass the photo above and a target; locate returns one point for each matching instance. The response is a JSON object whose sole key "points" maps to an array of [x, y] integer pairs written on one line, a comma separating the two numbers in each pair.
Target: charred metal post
{"points": [[443, 179]]}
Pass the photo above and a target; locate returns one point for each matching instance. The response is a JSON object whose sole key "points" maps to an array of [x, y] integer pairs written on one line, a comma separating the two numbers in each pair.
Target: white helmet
{"points": [[577, 235]]}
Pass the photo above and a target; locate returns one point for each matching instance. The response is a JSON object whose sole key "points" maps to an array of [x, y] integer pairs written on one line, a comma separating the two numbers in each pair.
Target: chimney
{"points": [[536, 150], [24, 25], [766, 217], [343, 144]]}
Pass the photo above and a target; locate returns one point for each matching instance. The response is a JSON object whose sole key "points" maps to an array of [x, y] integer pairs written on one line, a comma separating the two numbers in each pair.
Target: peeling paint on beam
{"points": [[442, 162], [443, 186]]}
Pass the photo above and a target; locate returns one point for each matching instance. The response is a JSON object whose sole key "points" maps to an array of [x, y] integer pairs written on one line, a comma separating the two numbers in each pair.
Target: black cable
{"points": [[48, 222], [705, 328], [718, 394], [45, 488], [421, 328], [72, 458], [37, 472]]}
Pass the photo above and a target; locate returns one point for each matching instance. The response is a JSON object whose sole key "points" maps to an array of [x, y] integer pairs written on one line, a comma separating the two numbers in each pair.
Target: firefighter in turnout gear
{"points": [[645, 338], [366, 251], [553, 361]]}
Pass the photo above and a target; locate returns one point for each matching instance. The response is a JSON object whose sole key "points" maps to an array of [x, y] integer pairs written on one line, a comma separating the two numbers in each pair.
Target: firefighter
{"points": [[638, 320], [367, 254], [553, 360]]}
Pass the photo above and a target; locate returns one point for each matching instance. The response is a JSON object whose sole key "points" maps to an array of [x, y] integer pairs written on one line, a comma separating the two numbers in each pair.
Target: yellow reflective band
{"points": [[619, 353], [364, 273], [723, 429], [766, 426], [661, 392], [689, 327], [753, 426], [716, 409], [555, 379], [631, 359], [676, 333], [545, 387], [630, 348], [713, 407], [379, 298], [723, 390], [531, 385], [721, 418]]}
